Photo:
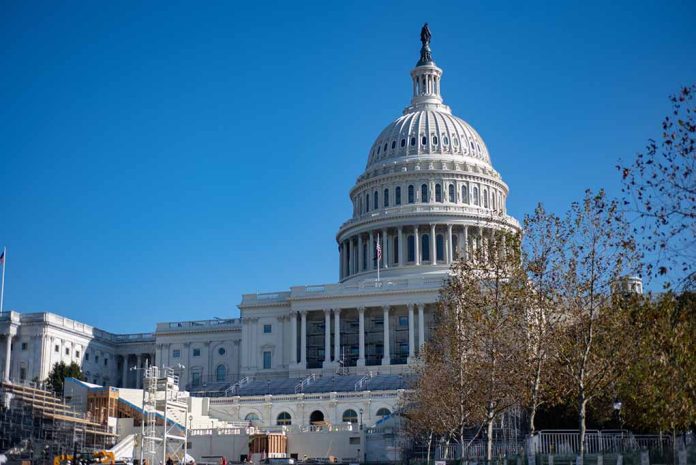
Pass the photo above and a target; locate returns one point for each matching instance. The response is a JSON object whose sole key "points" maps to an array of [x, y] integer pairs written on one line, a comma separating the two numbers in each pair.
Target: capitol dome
{"points": [[429, 193]]}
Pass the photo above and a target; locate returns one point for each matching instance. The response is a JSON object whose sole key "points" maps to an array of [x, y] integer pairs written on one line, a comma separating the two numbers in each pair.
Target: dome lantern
{"points": [[426, 80]]}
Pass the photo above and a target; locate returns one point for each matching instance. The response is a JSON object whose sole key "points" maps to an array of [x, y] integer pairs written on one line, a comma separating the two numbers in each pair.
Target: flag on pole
{"points": [[379, 251], [2, 257]]}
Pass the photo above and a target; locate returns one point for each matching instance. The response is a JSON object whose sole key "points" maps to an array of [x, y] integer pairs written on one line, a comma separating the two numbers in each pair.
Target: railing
{"points": [[234, 389], [198, 324], [305, 382], [232, 400], [361, 382], [567, 442]]}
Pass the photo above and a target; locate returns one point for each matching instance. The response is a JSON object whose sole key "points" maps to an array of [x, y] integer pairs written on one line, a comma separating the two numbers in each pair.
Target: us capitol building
{"points": [[429, 194]]}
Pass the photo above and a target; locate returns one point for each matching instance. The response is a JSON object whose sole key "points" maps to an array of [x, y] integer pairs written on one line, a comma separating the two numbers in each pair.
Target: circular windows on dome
{"points": [[221, 351]]}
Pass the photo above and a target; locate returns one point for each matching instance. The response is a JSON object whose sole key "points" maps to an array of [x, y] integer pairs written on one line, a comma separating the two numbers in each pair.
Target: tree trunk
{"points": [[430, 442], [489, 439], [582, 413]]}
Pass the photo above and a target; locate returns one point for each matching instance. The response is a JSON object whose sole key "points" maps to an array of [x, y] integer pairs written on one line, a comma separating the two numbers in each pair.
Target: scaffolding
{"points": [[165, 411]]}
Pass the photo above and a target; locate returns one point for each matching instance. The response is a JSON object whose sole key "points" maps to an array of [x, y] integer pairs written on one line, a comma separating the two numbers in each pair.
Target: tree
{"points": [[658, 391], [542, 244], [60, 371], [661, 184], [593, 347], [472, 367]]}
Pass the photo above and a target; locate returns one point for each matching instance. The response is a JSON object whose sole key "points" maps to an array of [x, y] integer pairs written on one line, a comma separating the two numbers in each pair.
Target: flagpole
{"points": [[2, 286]]}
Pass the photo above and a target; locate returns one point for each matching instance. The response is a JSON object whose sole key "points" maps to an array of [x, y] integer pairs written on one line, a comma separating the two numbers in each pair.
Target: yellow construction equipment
{"points": [[104, 457]]}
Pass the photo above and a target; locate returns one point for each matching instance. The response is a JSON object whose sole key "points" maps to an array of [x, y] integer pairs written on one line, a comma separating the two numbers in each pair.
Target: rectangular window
{"points": [[403, 320], [267, 329], [106, 361], [397, 196], [67, 351], [267, 360], [403, 348], [196, 352], [77, 354], [87, 356], [22, 373], [24, 346], [176, 353], [56, 348], [96, 359], [196, 378]]}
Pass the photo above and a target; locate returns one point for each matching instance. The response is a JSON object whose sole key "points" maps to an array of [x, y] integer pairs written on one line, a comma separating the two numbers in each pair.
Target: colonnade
{"points": [[332, 358], [140, 364], [403, 246]]}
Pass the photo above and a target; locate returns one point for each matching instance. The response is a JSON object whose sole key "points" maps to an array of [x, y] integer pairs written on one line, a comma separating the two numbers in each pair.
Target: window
{"points": [[77, 353], [397, 195], [56, 348], [452, 198], [196, 352], [364, 260], [87, 356], [106, 361], [220, 373], [376, 200], [438, 193], [378, 149], [396, 249], [403, 320], [196, 378], [221, 351], [267, 329], [24, 347], [485, 198], [367, 203], [403, 142], [411, 248], [465, 194], [445, 140], [440, 247], [411, 194], [283, 419], [434, 140], [22, 373], [455, 246], [413, 141], [455, 142], [350, 416], [424, 140], [252, 417], [403, 349], [424, 193], [96, 359], [393, 144], [386, 198], [425, 247], [475, 195], [176, 353], [67, 351], [383, 412], [267, 360], [385, 147], [493, 201]]}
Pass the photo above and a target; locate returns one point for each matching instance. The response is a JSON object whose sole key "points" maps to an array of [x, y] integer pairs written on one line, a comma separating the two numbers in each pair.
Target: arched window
{"points": [[434, 140], [284, 419], [350, 416], [413, 141], [220, 373], [364, 252], [360, 205], [386, 198], [393, 144], [424, 193], [425, 247], [403, 142], [452, 198], [396, 249], [465, 194], [379, 148], [367, 203], [485, 198], [376, 200], [438, 193], [316, 417], [411, 195], [474, 192], [424, 140], [411, 248], [493, 201], [252, 418], [397, 195], [445, 140], [440, 247], [383, 412]]}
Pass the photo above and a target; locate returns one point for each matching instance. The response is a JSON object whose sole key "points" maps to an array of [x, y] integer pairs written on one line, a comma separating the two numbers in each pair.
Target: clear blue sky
{"points": [[159, 159]]}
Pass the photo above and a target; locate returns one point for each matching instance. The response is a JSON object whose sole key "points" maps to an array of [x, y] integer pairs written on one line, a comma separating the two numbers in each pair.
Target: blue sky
{"points": [[159, 159]]}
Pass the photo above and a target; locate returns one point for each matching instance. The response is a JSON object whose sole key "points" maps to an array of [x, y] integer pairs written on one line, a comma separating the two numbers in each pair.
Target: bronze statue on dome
{"points": [[425, 35]]}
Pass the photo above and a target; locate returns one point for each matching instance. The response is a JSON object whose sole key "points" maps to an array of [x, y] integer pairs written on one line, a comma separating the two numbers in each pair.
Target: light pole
{"points": [[361, 423]]}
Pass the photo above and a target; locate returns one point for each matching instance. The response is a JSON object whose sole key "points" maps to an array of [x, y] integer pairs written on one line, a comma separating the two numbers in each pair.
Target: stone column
{"points": [[124, 381], [465, 243], [433, 245], [450, 251], [293, 338], [416, 248], [138, 371], [421, 326], [411, 334], [8, 355], [361, 337], [337, 334], [386, 359], [401, 246], [303, 339], [360, 254], [371, 253], [327, 337], [385, 248]]}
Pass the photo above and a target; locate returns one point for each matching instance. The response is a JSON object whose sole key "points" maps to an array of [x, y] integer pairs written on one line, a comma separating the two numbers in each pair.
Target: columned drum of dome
{"points": [[429, 191]]}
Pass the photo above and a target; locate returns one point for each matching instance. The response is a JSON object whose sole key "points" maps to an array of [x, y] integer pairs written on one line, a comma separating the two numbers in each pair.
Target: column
{"points": [[416, 240], [360, 254], [371, 253], [465, 243], [340, 261], [421, 326], [433, 244], [386, 359], [138, 371], [293, 338], [124, 371], [450, 251], [385, 248], [361, 337], [327, 337], [401, 246], [411, 334], [303, 339], [337, 334], [8, 356]]}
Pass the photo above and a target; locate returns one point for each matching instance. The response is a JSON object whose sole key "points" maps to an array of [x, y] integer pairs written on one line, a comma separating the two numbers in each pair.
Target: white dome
{"points": [[428, 132]]}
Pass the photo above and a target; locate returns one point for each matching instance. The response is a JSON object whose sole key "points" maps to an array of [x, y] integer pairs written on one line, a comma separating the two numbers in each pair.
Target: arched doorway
{"points": [[316, 418]]}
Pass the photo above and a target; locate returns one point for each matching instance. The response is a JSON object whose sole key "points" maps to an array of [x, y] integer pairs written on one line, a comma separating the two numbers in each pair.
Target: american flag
{"points": [[2, 257], [379, 251]]}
